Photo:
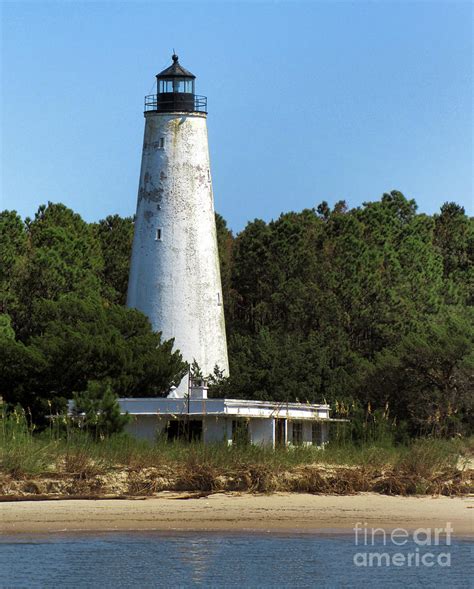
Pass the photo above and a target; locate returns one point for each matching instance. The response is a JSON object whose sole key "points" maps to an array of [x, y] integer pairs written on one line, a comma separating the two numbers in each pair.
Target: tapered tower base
{"points": [[174, 275]]}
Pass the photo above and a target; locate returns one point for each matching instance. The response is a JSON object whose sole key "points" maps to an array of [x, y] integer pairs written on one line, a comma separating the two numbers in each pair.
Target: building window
{"points": [[297, 433], [317, 433], [240, 431], [182, 429], [161, 143], [159, 234], [219, 303]]}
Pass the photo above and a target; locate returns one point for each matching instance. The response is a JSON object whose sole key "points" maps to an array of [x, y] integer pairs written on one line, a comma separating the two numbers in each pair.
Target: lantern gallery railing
{"points": [[171, 102]]}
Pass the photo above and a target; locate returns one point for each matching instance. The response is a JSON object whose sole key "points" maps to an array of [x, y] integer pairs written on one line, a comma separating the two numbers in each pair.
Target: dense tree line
{"points": [[366, 307], [63, 324]]}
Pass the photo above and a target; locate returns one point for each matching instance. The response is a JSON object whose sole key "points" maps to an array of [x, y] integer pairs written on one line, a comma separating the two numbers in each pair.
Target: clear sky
{"points": [[308, 101]]}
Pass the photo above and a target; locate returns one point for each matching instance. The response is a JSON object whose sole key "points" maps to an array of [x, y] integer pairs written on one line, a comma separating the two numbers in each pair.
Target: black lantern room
{"points": [[175, 91]]}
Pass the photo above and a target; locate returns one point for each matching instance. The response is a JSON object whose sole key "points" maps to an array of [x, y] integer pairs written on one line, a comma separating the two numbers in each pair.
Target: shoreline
{"points": [[291, 513]]}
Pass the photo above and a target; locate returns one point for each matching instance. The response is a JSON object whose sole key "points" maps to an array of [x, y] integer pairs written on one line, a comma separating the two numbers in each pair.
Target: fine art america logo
{"points": [[401, 547]]}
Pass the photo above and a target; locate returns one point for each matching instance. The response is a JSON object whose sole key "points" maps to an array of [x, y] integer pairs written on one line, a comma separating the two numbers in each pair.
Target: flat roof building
{"points": [[196, 417]]}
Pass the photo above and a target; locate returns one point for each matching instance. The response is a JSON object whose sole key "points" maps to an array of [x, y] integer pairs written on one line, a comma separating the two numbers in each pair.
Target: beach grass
{"points": [[75, 463]]}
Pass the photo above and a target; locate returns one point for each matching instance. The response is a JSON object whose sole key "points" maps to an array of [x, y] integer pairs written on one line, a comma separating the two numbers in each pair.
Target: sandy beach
{"points": [[240, 512]]}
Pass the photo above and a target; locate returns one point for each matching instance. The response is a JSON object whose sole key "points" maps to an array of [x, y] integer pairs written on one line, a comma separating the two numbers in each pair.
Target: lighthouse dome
{"points": [[175, 70], [175, 91]]}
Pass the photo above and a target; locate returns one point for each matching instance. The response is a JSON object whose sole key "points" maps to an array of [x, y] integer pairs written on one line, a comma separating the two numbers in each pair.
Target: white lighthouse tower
{"points": [[174, 275]]}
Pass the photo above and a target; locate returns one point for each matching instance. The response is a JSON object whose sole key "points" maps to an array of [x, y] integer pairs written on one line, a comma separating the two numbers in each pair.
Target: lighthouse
{"points": [[174, 274]]}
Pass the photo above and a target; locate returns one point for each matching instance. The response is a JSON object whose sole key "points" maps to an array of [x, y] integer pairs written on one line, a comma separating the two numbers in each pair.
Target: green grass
{"points": [[24, 451]]}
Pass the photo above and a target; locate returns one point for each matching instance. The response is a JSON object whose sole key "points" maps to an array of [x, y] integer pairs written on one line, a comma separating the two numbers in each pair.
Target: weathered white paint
{"points": [[198, 390], [218, 428], [174, 275], [146, 427], [307, 433], [324, 433], [229, 431], [262, 431], [289, 432], [215, 429], [229, 407], [150, 417]]}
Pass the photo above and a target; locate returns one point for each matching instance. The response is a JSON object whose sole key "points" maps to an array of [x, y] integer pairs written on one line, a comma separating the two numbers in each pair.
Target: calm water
{"points": [[214, 560]]}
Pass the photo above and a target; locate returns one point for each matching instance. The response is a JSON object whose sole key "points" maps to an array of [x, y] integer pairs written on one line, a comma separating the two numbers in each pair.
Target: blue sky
{"points": [[308, 101]]}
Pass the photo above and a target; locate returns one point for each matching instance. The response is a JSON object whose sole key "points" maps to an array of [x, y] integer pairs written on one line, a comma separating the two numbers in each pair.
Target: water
{"points": [[216, 560]]}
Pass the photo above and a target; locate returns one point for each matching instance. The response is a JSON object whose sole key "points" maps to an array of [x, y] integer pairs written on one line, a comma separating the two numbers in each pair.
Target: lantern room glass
{"points": [[177, 85]]}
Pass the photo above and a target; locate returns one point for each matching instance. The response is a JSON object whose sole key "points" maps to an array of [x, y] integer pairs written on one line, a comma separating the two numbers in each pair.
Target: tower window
{"points": [[161, 143], [219, 303], [159, 233]]}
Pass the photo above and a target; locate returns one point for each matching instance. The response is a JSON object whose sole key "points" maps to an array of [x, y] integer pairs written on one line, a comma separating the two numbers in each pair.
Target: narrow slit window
{"points": [[219, 303], [161, 143], [159, 234]]}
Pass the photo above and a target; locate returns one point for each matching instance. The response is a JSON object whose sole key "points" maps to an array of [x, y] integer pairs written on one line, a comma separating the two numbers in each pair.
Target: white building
{"points": [[174, 273], [198, 418]]}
